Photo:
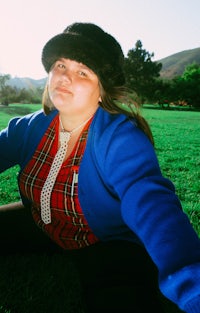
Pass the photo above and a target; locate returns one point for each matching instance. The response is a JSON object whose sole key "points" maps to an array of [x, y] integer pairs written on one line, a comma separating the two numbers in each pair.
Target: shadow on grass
{"points": [[44, 284], [38, 284]]}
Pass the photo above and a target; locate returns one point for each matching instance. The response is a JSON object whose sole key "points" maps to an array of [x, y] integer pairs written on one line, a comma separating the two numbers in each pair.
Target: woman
{"points": [[90, 175]]}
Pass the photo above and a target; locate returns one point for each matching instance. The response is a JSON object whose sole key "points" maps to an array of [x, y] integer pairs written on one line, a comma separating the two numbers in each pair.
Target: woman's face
{"points": [[73, 87]]}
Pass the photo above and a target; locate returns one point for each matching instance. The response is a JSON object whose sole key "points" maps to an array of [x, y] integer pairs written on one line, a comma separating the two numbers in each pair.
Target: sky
{"points": [[164, 27]]}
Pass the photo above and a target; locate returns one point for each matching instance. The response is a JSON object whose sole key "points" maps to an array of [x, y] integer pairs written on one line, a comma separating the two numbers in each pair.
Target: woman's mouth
{"points": [[63, 90]]}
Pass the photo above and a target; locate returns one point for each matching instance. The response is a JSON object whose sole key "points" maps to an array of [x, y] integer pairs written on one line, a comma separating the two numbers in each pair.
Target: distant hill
{"points": [[174, 65], [27, 83]]}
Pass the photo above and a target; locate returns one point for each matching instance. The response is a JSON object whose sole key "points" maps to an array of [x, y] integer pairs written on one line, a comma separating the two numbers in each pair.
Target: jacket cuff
{"points": [[193, 306]]}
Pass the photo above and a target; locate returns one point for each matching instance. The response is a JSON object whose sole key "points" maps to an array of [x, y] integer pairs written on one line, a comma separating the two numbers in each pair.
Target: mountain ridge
{"points": [[175, 64], [27, 82]]}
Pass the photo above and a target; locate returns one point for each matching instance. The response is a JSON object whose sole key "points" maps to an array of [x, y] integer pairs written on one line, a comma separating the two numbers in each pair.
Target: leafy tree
{"points": [[10, 94], [3, 80], [190, 81], [163, 92], [181, 90], [186, 88], [141, 72], [3, 89]]}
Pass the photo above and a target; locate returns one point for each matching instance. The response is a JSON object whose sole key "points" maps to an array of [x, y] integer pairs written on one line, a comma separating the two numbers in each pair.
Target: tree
{"points": [[3, 80], [191, 83], [186, 88], [163, 94], [10, 94], [141, 72], [3, 89]]}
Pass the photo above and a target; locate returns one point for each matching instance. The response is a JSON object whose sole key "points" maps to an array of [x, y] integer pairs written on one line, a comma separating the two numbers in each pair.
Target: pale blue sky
{"points": [[165, 27]]}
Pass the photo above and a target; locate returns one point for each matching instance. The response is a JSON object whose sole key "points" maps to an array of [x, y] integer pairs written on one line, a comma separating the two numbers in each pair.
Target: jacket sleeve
{"points": [[19, 140], [11, 141], [151, 209]]}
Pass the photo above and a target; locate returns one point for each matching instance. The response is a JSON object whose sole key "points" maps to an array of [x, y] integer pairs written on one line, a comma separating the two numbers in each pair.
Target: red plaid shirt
{"points": [[68, 227]]}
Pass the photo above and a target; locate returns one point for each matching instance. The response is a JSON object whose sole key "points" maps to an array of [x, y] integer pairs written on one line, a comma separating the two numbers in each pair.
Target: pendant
{"points": [[64, 137]]}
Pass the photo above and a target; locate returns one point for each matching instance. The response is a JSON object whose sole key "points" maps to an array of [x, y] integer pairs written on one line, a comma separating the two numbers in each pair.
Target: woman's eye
{"points": [[81, 73], [61, 65]]}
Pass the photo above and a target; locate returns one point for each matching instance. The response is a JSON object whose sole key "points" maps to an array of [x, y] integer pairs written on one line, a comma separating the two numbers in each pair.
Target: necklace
{"points": [[73, 130]]}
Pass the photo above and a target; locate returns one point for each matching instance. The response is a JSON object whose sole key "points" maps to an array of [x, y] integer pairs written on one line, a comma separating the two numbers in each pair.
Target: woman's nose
{"points": [[67, 76]]}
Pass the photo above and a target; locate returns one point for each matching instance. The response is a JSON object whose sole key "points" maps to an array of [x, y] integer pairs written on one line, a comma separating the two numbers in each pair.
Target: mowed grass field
{"points": [[8, 183], [48, 284], [177, 144]]}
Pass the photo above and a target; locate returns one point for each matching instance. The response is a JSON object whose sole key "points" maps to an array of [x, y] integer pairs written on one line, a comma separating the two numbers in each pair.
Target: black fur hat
{"points": [[89, 44]]}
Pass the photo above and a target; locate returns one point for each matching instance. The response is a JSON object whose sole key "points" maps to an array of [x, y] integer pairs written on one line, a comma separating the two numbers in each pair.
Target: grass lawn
{"points": [[177, 144], [48, 283]]}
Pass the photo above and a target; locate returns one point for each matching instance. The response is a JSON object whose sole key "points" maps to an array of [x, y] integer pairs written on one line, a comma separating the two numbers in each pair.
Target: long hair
{"points": [[118, 100], [115, 100], [47, 104]]}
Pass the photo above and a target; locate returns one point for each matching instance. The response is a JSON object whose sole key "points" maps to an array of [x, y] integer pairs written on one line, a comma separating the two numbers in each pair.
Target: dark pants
{"points": [[116, 276], [119, 277]]}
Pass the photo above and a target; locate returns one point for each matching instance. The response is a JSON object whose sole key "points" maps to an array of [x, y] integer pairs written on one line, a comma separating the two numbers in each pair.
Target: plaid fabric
{"points": [[68, 228]]}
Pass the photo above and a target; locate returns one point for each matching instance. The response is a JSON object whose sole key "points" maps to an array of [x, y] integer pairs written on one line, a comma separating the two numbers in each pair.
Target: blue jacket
{"points": [[123, 196]]}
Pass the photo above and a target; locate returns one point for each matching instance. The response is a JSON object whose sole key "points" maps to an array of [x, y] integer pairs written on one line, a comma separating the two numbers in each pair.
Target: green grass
{"points": [[177, 143], [8, 180], [48, 284], [7, 112]]}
